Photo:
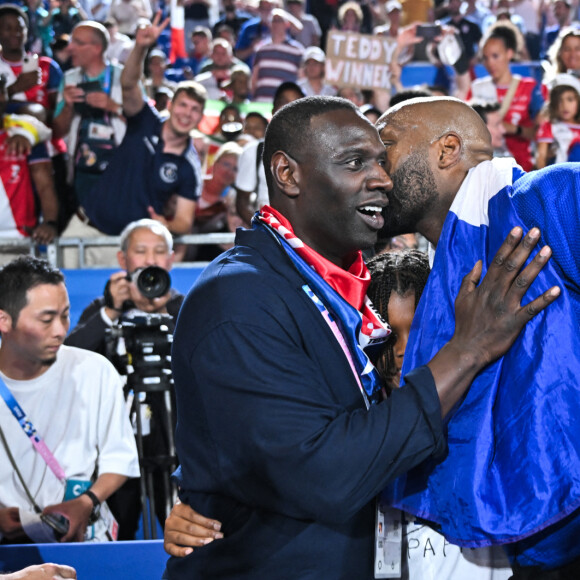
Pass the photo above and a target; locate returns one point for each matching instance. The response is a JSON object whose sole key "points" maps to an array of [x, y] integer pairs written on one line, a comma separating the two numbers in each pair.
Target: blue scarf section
{"points": [[512, 475], [347, 318]]}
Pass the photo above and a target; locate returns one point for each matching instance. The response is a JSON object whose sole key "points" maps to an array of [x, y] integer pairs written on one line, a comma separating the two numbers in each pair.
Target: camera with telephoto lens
{"points": [[152, 282]]}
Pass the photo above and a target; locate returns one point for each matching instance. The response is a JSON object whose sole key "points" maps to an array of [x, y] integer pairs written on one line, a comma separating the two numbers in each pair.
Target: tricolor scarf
{"points": [[340, 296]]}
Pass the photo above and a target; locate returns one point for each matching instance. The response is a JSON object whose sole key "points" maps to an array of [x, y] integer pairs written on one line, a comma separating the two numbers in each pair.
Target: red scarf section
{"points": [[351, 284]]}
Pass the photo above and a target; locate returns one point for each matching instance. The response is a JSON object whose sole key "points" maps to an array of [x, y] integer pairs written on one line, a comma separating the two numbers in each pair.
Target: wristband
{"points": [[519, 131], [95, 512]]}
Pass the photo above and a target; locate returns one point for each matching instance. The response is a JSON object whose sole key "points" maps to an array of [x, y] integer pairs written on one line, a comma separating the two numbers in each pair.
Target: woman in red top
{"points": [[521, 98]]}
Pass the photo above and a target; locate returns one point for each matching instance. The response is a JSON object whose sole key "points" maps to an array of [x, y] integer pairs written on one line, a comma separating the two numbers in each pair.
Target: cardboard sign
{"points": [[358, 60]]}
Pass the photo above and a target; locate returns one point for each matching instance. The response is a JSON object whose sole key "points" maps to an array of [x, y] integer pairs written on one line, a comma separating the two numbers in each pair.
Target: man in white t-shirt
{"points": [[74, 401]]}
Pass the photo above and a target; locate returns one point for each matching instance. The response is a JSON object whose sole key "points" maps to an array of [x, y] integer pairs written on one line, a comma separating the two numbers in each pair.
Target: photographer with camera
{"points": [[144, 243], [138, 310]]}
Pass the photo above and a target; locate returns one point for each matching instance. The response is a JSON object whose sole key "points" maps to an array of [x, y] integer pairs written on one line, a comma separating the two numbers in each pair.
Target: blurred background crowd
{"points": [[516, 61]]}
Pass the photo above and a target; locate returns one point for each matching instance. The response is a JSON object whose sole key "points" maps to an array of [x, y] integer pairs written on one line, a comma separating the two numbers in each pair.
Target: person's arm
{"points": [[24, 82], [244, 206], [298, 426], [78, 510], [182, 221], [247, 182], [61, 123], [41, 174], [542, 150], [46, 571], [91, 329], [145, 37], [10, 525]]}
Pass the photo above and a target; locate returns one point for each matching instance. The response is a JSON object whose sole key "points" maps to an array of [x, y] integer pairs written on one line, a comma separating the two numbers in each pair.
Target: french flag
{"points": [[512, 475], [177, 25]]}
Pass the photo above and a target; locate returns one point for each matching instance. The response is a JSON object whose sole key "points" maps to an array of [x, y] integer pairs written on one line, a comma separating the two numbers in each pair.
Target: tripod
{"points": [[157, 457], [140, 348]]}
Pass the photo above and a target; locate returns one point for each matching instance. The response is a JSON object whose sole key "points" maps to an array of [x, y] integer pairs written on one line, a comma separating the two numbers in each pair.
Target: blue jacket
{"points": [[273, 435]]}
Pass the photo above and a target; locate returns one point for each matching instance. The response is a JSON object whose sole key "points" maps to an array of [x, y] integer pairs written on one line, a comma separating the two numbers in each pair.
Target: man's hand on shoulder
{"points": [[489, 315]]}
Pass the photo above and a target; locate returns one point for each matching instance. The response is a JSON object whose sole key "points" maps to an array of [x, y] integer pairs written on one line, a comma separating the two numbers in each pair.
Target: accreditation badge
{"points": [[388, 541]]}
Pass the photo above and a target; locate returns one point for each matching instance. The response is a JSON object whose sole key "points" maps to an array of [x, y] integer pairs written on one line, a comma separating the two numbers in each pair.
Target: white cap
{"points": [[565, 79], [393, 5], [314, 53]]}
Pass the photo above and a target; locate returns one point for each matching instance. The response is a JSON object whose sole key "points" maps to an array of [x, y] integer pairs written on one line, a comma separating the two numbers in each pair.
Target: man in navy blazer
{"points": [[282, 433]]}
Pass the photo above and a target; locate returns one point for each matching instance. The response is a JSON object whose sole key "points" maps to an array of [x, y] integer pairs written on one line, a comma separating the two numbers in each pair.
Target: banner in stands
{"points": [[358, 60]]}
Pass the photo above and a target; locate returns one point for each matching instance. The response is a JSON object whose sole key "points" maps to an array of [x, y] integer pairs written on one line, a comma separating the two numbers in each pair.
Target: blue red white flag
{"points": [[513, 468]]}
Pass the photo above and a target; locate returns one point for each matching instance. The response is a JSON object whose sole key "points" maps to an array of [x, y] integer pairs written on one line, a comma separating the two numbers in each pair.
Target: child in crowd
{"points": [[397, 282], [559, 137]]}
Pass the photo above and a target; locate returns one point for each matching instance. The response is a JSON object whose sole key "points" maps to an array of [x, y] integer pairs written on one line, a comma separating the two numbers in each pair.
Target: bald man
{"points": [[447, 187]]}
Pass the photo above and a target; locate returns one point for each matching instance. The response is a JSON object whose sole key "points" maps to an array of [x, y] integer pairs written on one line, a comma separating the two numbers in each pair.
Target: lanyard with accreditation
{"points": [[31, 431]]}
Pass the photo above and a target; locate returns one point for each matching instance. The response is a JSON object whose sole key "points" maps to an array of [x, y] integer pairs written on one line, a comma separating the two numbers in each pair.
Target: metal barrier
{"points": [[53, 252]]}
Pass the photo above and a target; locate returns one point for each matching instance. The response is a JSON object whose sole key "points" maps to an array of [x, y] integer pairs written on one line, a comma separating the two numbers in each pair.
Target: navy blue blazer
{"points": [[273, 434]]}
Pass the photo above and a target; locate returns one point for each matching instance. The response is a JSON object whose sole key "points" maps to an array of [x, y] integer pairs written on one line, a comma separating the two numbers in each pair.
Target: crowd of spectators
{"points": [[66, 58], [136, 135]]}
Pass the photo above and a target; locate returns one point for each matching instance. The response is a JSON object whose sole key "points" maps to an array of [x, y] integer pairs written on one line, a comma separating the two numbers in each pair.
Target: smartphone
{"points": [[428, 31], [59, 523], [90, 87], [30, 63]]}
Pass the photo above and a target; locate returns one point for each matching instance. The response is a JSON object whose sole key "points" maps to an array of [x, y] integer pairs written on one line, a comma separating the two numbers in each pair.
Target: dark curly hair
{"points": [[399, 272]]}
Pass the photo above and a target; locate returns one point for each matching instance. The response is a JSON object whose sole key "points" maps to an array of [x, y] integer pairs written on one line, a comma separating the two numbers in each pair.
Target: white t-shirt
{"points": [[430, 556], [77, 407], [247, 178]]}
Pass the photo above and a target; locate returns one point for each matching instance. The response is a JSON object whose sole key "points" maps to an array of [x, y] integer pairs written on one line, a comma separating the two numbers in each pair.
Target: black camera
{"points": [[145, 355], [152, 281]]}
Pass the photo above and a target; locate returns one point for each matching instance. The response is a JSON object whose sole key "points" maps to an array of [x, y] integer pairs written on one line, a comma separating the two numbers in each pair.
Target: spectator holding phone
{"points": [[89, 115]]}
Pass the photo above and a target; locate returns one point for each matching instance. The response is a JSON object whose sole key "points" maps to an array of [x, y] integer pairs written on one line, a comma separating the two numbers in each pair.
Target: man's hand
{"points": [[100, 100], [119, 289], [10, 525], [17, 145], [25, 82], [147, 33], [73, 94], [78, 511], [44, 233], [489, 316], [43, 572], [186, 529], [157, 217]]}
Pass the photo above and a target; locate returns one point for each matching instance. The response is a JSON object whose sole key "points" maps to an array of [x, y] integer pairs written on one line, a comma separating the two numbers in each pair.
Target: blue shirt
{"points": [[140, 175]]}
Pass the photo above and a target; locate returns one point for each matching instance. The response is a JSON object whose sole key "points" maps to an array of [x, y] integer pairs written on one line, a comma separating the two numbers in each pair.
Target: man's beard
{"points": [[414, 193], [47, 362]]}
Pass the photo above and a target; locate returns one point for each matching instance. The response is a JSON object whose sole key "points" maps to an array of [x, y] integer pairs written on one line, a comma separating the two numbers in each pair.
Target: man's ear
{"points": [[449, 149], [5, 322], [286, 173], [121, 259]]}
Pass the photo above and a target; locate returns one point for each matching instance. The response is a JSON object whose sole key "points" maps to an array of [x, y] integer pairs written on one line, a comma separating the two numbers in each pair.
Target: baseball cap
{"points": [[393, 5], [314, 53]]}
